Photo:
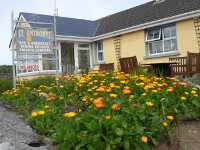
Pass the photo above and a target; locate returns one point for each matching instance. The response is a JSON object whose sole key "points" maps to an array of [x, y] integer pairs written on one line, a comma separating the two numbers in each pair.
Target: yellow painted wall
{"points": [[133, 44], [109, 51], [186, 37]]}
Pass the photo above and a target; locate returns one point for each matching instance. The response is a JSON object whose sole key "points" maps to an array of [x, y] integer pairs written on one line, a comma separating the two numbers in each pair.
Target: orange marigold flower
{"points": [[126, 91], [170, 89], [101, 89], [174, 84], [34, 114], [115, 107], [144, 139], [50, 97], [165, 84], [99, 103], [109, 90]]}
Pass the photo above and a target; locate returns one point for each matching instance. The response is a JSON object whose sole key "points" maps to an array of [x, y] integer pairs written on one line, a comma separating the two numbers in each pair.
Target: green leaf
{"points": [[119, 131], [126, 144]]}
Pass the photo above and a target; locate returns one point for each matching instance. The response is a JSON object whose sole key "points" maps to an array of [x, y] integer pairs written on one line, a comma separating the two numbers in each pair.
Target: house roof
{"points": [[65, 26], [138, 15]]}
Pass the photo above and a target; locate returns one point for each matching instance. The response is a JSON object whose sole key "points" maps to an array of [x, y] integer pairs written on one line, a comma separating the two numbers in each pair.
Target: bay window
{"points": [[160, 40]]}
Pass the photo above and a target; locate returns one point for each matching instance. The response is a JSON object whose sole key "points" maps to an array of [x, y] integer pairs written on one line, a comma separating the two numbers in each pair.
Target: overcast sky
{"points": [[83, 9]]}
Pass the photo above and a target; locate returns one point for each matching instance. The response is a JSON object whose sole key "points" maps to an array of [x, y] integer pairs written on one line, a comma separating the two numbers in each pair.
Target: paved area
{"points": [[15, 134]]}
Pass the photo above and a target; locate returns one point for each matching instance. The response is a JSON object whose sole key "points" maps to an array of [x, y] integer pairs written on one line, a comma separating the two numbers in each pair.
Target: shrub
{"points": [[5, 84], [105, 110]]}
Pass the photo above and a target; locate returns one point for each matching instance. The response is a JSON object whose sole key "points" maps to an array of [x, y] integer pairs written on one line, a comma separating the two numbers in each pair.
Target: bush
{"points": [[105, 110], [5, 84]]}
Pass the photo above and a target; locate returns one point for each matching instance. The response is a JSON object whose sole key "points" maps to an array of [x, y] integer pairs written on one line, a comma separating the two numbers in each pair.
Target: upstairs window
{"points": [[161, 40], [99, 48]]}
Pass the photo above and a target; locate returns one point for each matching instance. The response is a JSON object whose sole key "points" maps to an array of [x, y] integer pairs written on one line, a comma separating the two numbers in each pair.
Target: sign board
{"points": [[32, 47]]}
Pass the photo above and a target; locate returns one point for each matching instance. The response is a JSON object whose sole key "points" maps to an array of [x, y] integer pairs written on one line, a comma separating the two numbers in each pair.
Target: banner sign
{"points": [[32, 48], [34, 40]]}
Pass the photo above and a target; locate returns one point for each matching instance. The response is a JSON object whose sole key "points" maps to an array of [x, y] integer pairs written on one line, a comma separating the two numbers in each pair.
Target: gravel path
{"points": [[15, 134]]}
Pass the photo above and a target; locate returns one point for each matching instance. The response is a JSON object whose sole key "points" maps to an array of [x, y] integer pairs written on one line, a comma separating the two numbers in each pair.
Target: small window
{"points": [[99, 48], [153, 35]]}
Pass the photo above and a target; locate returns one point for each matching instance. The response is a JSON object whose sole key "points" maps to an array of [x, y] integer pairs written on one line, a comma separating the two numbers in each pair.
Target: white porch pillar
{"points": [[59, 57], [76, 57], [91, 56]]}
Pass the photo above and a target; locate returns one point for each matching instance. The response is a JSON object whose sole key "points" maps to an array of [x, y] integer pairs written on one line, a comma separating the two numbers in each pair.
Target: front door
{"points": [[84, 56], [67, 58]]}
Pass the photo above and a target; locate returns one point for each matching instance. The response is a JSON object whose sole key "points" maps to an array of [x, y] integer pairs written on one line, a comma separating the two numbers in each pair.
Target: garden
{"points": [[105, 111]]}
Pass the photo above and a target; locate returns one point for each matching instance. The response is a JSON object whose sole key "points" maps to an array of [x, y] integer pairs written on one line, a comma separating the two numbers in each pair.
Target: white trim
{"points": [[76, 57], [59, 56], [74, 38]]}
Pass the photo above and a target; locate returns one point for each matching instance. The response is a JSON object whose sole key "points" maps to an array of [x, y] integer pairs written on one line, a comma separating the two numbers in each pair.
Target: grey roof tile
{"points": [[134, 16]]}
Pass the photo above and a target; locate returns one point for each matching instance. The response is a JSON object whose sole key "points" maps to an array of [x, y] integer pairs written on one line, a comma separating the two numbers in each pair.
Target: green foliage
{"points": [[5, 84], [108, 111], [46, 80], [5, 69]]}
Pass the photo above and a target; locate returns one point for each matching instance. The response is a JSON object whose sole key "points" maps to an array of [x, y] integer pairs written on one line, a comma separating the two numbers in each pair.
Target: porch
{"points": [[74, 57]]}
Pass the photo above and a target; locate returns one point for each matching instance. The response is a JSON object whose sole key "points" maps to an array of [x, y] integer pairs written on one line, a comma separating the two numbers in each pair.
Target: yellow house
{"points": [[153, 32]]}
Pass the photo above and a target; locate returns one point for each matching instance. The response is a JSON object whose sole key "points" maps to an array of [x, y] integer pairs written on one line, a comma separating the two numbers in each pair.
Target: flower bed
{"points": [[106, 110]]}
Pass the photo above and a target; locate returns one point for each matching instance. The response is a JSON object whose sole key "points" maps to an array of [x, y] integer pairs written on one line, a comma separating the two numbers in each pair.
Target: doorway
{"points": [[67, 58]]}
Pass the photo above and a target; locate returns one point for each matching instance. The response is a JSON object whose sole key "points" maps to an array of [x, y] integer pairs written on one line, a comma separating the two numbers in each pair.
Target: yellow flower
{"points": [[70, 114], [108, 117], [193, 92], [186, 93], [150, 104], [144, 94], [61, 86], [154, 91], [165, 123], [34, 114], [41, 112], [46, 106], [170, 118], [112, 95], [144, 139], [183, 98]]}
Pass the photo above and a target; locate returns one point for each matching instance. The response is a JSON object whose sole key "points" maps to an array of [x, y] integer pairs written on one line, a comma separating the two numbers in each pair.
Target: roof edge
{"points": [[167, 20]]}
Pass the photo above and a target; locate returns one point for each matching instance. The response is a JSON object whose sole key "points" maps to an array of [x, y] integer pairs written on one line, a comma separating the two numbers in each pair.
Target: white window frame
{"points": [[146, 40], [99, 51], [162, 40]]}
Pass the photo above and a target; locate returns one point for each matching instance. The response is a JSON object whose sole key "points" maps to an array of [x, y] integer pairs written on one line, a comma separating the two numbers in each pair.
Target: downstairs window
{"points": [[160, 40]]}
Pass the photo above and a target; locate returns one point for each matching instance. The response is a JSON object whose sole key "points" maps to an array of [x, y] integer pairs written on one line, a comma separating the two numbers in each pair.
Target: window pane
{"points": [[99, 46], [100, 56], [170, 45], [169, 32], [84, 59], [153, 34], [48, 62], [155, 47]]}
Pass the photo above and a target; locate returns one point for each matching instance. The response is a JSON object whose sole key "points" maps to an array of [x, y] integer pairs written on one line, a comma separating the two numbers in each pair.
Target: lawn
{"points": [[105, 111]]}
